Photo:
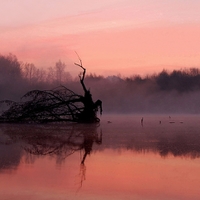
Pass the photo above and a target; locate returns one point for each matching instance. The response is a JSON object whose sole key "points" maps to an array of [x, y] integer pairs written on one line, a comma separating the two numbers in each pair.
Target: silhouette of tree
{"points": [[33, 74], [9, 68], [163, 80], [90, 108], [59, 104], [60, 68]]}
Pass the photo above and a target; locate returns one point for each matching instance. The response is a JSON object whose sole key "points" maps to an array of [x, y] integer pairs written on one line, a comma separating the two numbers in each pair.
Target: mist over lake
{"points": [[176, 91]]}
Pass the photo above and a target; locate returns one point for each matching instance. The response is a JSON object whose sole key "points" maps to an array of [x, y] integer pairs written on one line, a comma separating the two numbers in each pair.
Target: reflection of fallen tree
{"points": [[60, 104], [55, 140]]}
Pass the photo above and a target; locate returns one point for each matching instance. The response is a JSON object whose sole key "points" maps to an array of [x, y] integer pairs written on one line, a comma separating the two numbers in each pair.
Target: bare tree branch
{"points": [[59, 104]]}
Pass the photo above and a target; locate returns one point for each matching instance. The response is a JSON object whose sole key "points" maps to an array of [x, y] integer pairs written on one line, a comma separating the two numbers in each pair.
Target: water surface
{"points": [[121, 158]]}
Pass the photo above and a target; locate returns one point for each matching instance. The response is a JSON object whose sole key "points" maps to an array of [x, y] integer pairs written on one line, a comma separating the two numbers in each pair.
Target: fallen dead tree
{"points": [[59, 104]]}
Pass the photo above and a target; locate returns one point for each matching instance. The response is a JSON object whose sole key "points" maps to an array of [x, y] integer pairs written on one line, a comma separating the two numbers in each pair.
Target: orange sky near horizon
{"points": [[111, 37]]}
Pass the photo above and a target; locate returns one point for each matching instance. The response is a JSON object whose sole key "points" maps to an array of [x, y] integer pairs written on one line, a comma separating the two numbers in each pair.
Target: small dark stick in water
{"points": [[142, 121]]}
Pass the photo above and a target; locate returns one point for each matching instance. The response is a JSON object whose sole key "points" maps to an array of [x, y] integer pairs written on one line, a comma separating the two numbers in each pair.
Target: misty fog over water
{"points": [[177, 91]]}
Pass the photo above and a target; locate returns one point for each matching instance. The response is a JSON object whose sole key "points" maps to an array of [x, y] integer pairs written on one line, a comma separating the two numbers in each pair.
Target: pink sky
{"points": [[111, 36]]}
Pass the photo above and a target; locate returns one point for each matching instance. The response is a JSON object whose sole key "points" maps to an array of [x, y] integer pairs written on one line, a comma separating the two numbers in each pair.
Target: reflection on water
{"points": [[58, 140], [120, 158], [157, 134]]}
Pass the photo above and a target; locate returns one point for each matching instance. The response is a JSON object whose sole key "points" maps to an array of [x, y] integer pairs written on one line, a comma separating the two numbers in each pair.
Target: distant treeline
{"points": [[175, 91]]}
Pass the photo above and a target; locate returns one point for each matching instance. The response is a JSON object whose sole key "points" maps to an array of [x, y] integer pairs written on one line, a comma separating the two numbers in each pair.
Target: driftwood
{"points": [[59, 104]]}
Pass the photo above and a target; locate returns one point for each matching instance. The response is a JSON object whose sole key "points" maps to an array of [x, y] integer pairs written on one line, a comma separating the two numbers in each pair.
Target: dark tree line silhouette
{"points": [[167, 91], [12, 70], [180, 80]]}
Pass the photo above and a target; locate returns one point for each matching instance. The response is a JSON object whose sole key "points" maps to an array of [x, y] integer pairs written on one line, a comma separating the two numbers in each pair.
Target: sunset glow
{"points": [[112, 37]]}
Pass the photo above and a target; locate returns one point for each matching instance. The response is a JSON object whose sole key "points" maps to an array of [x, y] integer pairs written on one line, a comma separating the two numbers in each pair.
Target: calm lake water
{"points": [[121, 158]]}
